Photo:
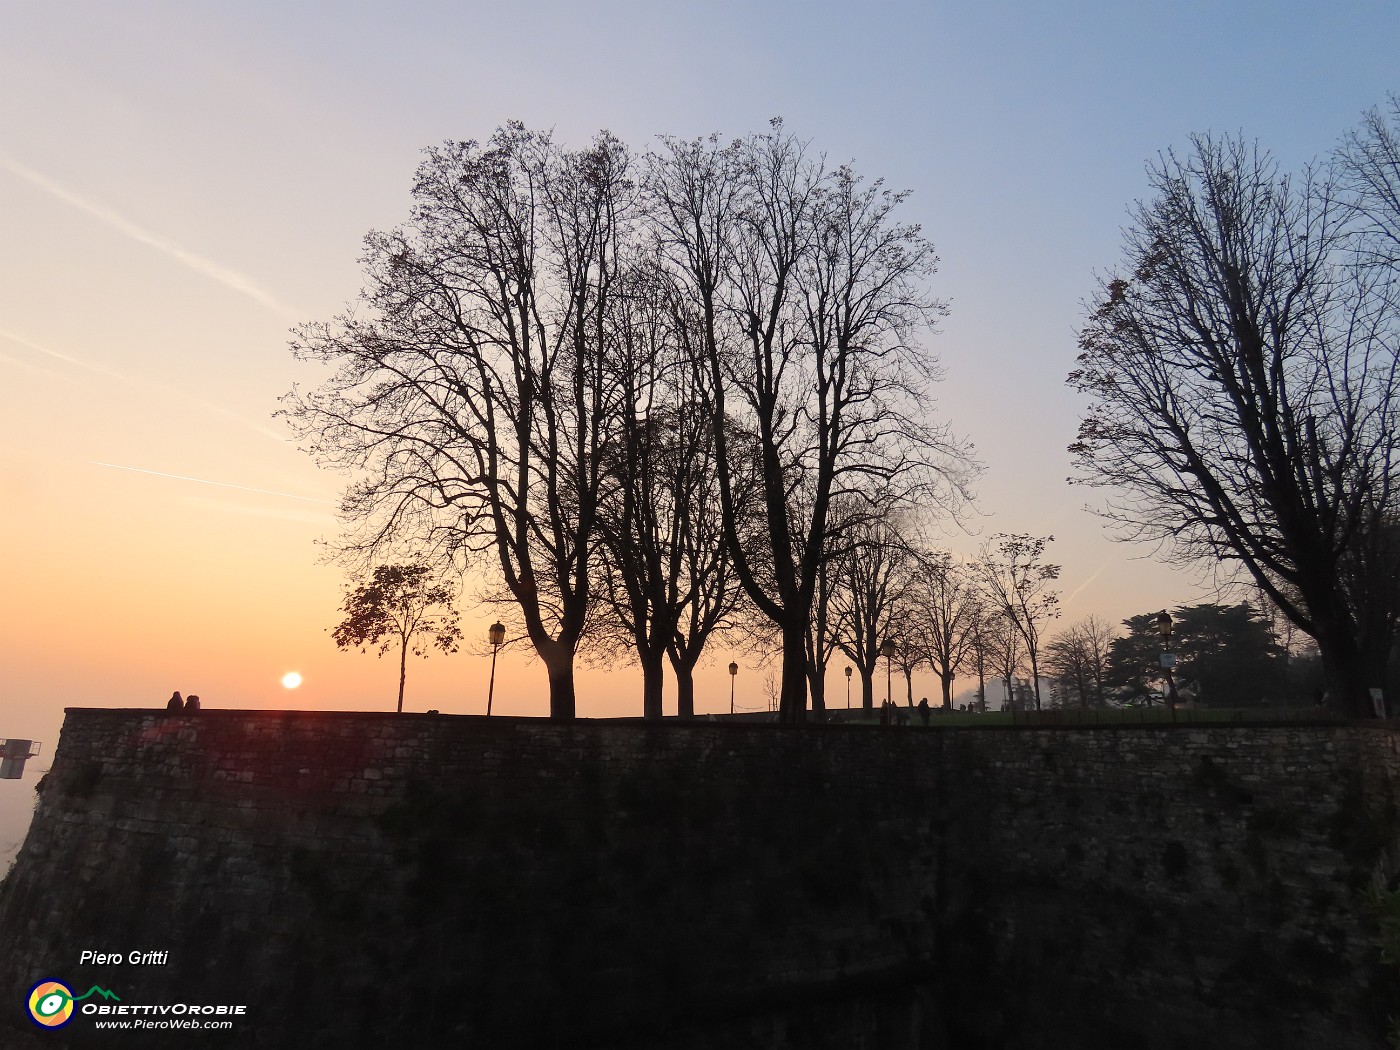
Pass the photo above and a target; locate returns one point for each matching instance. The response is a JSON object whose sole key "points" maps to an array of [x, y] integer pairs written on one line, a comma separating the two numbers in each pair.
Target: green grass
{"points": [[1121, 716], [1165, 716]]}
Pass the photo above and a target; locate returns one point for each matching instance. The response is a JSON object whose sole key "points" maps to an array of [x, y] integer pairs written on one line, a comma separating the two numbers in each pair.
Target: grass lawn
{"points": [[1120, 716]]}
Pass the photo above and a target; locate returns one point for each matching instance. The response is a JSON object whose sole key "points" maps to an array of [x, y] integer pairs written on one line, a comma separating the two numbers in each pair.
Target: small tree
{"points": [[396, 605], [1004, 652], [1078, 657], [948, 615], [1016, 583], [872, 580]]}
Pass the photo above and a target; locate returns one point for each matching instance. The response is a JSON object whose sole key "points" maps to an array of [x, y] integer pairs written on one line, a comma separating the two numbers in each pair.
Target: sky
{"points": [[182, 183]]}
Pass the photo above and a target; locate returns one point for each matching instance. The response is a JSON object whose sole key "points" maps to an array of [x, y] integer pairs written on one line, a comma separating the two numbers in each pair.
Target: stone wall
{"points": [[446, 881], [1165, 887]]}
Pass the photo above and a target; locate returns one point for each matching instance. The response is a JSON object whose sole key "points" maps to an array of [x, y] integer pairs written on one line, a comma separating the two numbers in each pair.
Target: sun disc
{"points": [[291, 680]]}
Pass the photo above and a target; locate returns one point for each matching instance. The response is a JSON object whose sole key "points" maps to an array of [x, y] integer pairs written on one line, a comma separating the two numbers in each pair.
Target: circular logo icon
{"points": [[51, 1004]]}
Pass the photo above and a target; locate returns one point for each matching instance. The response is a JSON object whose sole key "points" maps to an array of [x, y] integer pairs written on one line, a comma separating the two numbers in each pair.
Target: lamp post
{"points": [[887, 651], [1164, 628], [733, 671], [498, 635], [848, 687]]}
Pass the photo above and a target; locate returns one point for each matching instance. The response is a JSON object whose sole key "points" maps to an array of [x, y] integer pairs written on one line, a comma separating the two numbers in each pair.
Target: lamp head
{"points": [[498, 633], [733, 669], [1164, 624]]}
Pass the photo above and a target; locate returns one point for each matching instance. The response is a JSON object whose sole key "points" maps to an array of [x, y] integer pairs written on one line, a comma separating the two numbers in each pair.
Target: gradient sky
{"points": [[182, 182]]}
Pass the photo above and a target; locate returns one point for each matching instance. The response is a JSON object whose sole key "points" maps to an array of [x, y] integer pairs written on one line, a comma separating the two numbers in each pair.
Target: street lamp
{"points": [[1164, 628], [887, 651], [498, 635], [848, 687], [733, 671]]}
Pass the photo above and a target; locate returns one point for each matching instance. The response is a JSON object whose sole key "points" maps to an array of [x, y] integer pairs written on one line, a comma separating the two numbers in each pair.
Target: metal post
{"points": [[491, 692], [497, 635], [1164, 627]]}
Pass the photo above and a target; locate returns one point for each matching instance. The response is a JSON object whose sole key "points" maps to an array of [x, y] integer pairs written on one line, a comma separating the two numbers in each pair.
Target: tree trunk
{"points": [[560, 666], [867, 690], [685, 691], [792, 699], [403, 671], [1350, 675], [946, 680], [981, 681], [652, 677], [817, 686]]}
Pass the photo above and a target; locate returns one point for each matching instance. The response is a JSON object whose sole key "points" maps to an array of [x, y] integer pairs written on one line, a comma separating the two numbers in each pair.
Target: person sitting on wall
{"points": [[192, 703], [175, 703], [923, 710]]}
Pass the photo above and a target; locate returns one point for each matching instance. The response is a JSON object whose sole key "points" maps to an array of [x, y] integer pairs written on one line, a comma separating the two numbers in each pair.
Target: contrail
{"points": [[30, 366], [166, 388], [14, 338], [206, 481], [1075, 593], [238, 282]]}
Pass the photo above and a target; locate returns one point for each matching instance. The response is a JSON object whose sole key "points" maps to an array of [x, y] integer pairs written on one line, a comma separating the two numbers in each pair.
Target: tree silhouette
{"points": [[396, 605], [471, 397], [810, 297], [1226, 652], [666, 578], [1244, 395], [946, 611], [1016, 584], [1078, 659], [872, 578]]}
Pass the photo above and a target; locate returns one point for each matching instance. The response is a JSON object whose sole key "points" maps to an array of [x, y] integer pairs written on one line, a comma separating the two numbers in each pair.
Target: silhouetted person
{"points": [[175, 703], [884, 712], [192, 703], [923, 710]]}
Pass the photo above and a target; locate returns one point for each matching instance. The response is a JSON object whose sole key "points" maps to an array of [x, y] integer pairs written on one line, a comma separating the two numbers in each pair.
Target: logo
{"points": [[51, 1002]]}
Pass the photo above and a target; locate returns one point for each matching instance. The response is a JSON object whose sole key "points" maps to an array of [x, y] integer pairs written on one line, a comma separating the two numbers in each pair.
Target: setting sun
{"points": [[291, 680]]}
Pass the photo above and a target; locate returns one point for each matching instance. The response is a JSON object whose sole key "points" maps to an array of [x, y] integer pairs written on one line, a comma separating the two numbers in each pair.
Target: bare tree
{"points": [[1368, 173], [1016, 583], [908, 655], [471, 395], [669, 578], [1078, 657], [1005, 651], [872, 577], [948, 607], [811, 296], [823, 634], [979, 651], [1243, 383], [403, 605]]}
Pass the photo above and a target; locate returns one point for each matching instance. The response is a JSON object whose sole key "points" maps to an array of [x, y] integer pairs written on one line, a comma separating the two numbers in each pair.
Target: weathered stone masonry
{"points": [[453, 881]]}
